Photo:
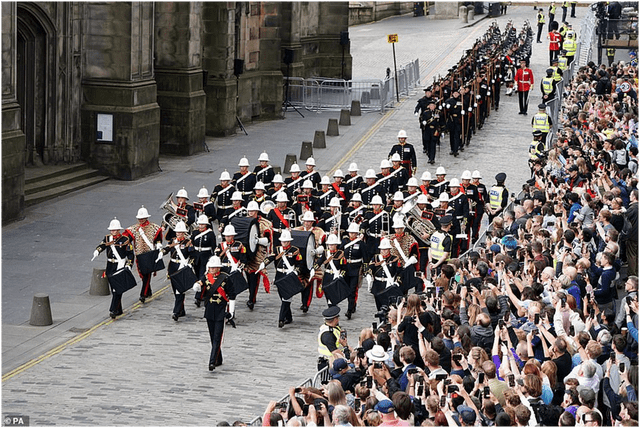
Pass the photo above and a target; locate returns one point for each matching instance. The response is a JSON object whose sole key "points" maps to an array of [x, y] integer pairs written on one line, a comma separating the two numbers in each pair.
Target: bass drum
{"points": [[247, 232], [306, 242]]}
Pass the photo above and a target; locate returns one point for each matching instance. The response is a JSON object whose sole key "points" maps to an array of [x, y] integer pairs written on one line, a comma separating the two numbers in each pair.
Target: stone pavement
{"points": [[145, 369]]}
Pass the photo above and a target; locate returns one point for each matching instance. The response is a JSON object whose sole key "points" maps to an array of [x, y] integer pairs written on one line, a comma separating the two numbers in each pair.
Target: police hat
{"points": [[331, 313], [554, 61], [446, 220], [427, 89], [537, 133], [542, 106], [501, 177], [432, 101], [549, 71]]}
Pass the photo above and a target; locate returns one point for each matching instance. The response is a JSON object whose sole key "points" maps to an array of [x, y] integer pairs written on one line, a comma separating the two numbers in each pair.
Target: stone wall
{"points": [[371, 11]]}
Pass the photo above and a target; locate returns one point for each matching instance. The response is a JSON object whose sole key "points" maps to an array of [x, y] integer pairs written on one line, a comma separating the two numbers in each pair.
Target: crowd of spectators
{"points": [[537, 326]]}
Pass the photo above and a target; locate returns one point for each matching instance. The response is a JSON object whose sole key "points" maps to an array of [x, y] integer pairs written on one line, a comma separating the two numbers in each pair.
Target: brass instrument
{"points": [[267, 206], [172, 217], [416, 224]]}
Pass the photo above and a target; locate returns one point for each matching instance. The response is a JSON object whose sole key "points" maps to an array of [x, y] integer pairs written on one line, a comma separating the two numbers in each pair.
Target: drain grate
{"points": [[77, 330]]}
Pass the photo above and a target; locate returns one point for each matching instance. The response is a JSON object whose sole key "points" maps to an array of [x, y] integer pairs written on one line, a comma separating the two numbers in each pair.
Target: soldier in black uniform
{"points": [[334, 220], [340, 187], [324, 195], [439, 185], [483, 198], [467, 109], [400, 173], [426, 213], [471, 191], [496, 82], [483, 100], [281, 217], [333, 264], [294, 182], [407, 153], [356, 257], [238, 208], [370, 188], [243, 180], [277, 188], [311, 174], [306, 200], [205, 206], [355, 211], [222, 195], [460, 211], [353, 180], [386, 181], [454, 121], [383, 272], [233, 256], [376, 223], [204, 243], [180, 250], [431, 121], [259, 193], [397, 202], [287, 259], [217, 292], [423, 102], [264, 172], [119, 256]]}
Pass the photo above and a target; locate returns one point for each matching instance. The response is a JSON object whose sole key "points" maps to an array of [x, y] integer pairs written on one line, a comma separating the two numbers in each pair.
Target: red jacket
{"points": [[554, 41], [524, 79]]}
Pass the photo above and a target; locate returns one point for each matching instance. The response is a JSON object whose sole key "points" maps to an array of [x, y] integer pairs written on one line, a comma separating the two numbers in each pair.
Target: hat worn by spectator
{"points": [[385, 406], [339, 365], [376, 353], [495, 248], [467, 414], [509, 242], [331, 313]]}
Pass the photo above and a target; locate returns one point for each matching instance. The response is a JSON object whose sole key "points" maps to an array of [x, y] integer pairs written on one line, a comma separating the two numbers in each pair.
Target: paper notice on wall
{"points": [[105, 127]]}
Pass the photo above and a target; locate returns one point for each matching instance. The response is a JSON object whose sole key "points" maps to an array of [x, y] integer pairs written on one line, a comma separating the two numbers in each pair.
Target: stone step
{"points": [[63, 189], [59, 180], [33, 175]]}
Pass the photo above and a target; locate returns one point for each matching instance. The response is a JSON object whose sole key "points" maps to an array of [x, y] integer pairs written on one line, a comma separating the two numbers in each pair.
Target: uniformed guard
{"points": [[311, 174], [353, 180], [439, 185], [331, 340], [233, 256], [370, 188], [570, 46], [180, 250], [277, 188], [146, 238], [406, 151], [264, 172], [548, 87], [243, 180], [340, 188], [306, 200], [294, 182], [237, 209], [554, 45], [524, 81], [383, 275], [308, 225], [541, 121], [119, 261], [454, 121], [356, 257], [281, 217], [204, 243], [333, 221], [214, 285], [483, 198], [412, 191], [205, 206], [288, 260], [423, 102], [441, 246], [459, 205], [385, 180], [332, 265], [324, 195], [221, 195], [563, 62], [482, 98], [400, 173], [264, 247], [498, 197], [184, 210], [431, 121], [540, 20]]}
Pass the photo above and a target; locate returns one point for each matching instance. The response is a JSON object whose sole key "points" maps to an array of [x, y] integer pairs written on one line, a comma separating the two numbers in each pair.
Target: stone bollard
{"points": [[306, 151], [332, 128], [463, 14], [355, 108], [319, 142], [288, 161], [99, 285], [471, 14], [345, 117], [365, 98], [277, 169], [41, 310]]}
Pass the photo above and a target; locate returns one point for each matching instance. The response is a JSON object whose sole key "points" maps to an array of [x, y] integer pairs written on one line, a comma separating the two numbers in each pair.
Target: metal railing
{"points": [[335, 94]]}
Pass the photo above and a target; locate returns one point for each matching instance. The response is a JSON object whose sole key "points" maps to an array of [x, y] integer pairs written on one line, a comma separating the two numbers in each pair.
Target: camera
{"points": [[452, 388], [452, 331], [382, 314], [360, 353], [377, 365], [457, 358]]}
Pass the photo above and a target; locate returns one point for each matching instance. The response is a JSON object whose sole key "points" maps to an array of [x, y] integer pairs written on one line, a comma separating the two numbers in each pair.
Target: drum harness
{"points": [[149, 244]]}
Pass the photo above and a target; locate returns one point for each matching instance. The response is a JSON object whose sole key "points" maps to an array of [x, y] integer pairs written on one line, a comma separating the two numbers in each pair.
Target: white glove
{"points": [[470, 109], [312, 272], [261, 266], [159, 246], [197, 287], [424, 122], [232, 307], [478, 97], [319, 250], [412, 261], [488, 92], [448, 105], [369, 280], [416, 114], [96, 253], [493, 80]]}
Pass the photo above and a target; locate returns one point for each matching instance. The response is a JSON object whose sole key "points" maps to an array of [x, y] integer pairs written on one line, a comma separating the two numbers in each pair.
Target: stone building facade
{"points": [[115, 84]]}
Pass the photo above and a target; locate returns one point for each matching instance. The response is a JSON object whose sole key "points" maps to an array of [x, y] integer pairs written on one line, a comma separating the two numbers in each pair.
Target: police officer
{"points": [[244, 180], [441, 246], [611, 54], [570, 46], [540, 24], [431, 121], [331, 339], [204, 243], [498, 197], [356, 256], [536, 148], [119, 256], [541, 121], [217, 293], [264, 172], [548, 87], [563, 62], [552, 14], [222, 195], [406, 151]]}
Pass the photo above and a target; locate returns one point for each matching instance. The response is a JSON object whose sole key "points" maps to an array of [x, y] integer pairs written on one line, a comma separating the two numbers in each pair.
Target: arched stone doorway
{"points": [[33, 80]]}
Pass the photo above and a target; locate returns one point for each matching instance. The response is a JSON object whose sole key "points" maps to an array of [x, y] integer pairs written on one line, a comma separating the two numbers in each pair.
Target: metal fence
{"points": [[335, 94], [587, 38]]}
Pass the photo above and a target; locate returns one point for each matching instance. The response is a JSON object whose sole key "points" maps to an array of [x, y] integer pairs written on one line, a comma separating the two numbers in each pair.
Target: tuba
{"points": [[171, 218], [267, 206], [416, 224]]}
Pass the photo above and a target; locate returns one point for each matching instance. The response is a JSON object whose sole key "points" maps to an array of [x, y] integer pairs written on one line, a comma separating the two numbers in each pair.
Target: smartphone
{"points": [[592, 313], [413, 371], [563, 303], [481, 377], [506, 316], [452, 331], [420, 389], [487, 392], [512, 380], [443, 401], [343, 334], [621, 367], [356, 404], [452, 388], [572, 331], [457, 358], [501, 323], [298, 390], [536, 319], [374, 326], [369, 381], [612, 356]]}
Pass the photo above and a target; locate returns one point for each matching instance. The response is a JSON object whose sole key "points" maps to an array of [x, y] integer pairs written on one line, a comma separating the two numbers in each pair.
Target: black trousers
{"points": [[252, 279], [306, 295], [540, 27], [553, 55], [116, 302], [430, 141], [178, 306], [523, 99], [145, 290], [216, 331], [455, 131], [285, 311], [352, 281]]}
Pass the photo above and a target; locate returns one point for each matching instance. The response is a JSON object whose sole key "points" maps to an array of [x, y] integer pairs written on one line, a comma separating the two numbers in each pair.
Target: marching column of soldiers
{"points": [[460, 102]]}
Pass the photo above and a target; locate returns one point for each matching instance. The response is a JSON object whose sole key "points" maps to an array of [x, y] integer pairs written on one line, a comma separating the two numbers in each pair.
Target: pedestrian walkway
{"points": [[144, 368]]}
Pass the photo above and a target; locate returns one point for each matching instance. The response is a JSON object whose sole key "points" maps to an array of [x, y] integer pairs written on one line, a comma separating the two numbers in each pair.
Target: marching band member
{"points": [[222, 195], [333, 221], [237, 209], [340, 188], [308, 222], [376, 224], [184, 210], [204, 243], [355, 253], [264, 248], [281, 217], [353, 180], [310, 173], [264, 172], [459, 205], [243, 180], [405, 248], [233, 256], [399, 172], [205, 206], [325, 194], [333, 264], [180, 250], [383, 273]]}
